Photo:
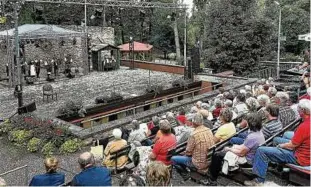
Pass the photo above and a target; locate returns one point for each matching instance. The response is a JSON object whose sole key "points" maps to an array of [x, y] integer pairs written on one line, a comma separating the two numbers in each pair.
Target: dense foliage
{"points": [[40, 135]]}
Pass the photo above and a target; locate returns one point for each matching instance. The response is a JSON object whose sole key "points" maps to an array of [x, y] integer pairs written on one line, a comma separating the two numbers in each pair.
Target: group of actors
{"points": [[33, 68]]}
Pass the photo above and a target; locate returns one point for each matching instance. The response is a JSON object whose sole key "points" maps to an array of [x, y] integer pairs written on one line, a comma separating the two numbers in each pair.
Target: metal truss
{"points": [[116, 3]]}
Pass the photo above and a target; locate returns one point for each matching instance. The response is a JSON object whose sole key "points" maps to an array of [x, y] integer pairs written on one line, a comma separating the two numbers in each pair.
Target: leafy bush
{"points": [[71, 146], [20, 137], [70, 108], [34, 144], [5, 127], [48, 149]]}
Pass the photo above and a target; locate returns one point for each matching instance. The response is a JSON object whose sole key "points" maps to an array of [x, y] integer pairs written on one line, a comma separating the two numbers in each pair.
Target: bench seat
{"points": [[303, 169]]}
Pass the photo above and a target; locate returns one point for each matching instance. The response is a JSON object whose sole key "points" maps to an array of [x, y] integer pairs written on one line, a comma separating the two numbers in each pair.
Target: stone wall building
{"points": [[47, 42]]}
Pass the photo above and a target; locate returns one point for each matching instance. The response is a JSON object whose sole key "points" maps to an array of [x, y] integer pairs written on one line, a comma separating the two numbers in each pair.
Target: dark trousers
{"points": [[38, 72], [216, 165]]}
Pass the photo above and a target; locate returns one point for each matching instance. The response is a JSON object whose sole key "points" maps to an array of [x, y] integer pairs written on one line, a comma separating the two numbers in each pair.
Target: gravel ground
{"points": [[127, 82]]}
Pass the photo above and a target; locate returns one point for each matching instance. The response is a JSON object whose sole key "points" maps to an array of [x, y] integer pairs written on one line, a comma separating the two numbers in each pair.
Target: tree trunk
{"points": [[177, 44]]}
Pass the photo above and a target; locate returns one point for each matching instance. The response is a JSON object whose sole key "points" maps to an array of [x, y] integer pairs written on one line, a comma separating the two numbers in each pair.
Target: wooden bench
{"points": [[299, 175], [123, 152]]}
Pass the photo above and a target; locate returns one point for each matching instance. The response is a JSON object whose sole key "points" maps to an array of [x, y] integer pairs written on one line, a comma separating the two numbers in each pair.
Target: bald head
{"points": [[86, 159]]}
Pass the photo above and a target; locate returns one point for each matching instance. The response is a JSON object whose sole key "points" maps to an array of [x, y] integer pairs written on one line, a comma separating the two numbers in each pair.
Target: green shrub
{"points": [[20, 137], [34, 144], [48, 149], [5, 127], [71, 146]]}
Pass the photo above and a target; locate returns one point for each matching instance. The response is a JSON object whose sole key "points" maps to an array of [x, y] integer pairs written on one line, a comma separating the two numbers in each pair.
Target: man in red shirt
{"points": [[295, 151], [164, 143]]}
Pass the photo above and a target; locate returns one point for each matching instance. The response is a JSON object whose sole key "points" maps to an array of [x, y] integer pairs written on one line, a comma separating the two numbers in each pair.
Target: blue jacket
{"points": [[93, 176], [48, 179]]}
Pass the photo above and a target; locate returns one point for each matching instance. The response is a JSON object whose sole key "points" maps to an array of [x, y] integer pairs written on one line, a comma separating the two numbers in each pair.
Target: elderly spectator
{"points": [[90, 174], [181, 118], [218, 107], [240, 106], [295, 151], [199, 143], [155, 129], [170, 116], [197, 106], [165, 142], [252, 104], [158, 174], [227, 128], [286, 114], [271, 93], [263, 101], [139, 133], [273, 126], [113, 146], [304, 106], [228, 104], [247, 150], [51, 177]]}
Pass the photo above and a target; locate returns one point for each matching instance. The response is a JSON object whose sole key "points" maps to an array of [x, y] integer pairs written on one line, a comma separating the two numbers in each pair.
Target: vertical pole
{"points": [[279, 43], [185, 40], [17, 59], [86, 36]]}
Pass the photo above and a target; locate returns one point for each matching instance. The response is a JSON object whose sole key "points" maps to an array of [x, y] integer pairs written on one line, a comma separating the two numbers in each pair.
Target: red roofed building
{"points": [[142, 51]]}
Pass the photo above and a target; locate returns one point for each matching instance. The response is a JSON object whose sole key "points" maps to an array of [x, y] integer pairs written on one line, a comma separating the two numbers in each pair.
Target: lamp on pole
{"points": [[279, 39]]}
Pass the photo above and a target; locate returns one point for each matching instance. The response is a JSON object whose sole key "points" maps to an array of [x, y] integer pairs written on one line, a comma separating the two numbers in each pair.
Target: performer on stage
{"points": [[37, 67]]}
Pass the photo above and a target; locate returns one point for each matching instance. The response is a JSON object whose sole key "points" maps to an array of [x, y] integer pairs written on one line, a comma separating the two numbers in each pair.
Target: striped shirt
{"points": [[271, 127]]}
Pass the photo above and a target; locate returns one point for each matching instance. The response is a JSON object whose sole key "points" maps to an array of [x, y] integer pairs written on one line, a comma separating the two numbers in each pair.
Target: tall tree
{"points": [[236, 37]]}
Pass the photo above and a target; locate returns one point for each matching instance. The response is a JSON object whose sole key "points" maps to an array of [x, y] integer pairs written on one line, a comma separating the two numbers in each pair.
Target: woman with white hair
{"points": [[113, 146]]}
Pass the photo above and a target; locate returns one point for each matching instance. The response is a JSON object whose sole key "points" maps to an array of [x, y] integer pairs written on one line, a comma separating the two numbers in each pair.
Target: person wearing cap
{"points": [[165, 142], [113, 146]]}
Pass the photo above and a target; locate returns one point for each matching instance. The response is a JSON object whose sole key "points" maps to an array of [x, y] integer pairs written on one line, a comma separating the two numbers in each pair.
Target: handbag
{"points": [[97, 150]]}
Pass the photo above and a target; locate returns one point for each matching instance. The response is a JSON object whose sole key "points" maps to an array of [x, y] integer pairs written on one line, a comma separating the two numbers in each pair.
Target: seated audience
{"points": [[156, 127], [166, 141], [139, 133], [252, 104], [247, 150], [263, 101], [197, 106], [240, 106], [273, 125], [286, 114], [116, 144], [158, 174], [303, 110], [218, 107], [181, 118], [271, 93], [227, 128], [170, 117], [90, 174], [228, 104], [295, 151], [51, 177], [199, 143], [182, 133]]}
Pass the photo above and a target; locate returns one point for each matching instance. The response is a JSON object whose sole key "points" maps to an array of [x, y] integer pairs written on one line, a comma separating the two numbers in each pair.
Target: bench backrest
{"points": [[121, 152]]}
